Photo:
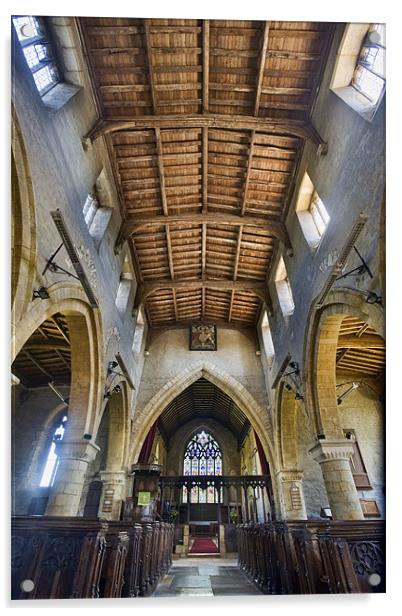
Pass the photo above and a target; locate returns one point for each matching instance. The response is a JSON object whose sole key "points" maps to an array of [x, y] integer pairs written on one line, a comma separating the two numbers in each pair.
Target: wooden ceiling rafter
{"points": [[293, 128], [260, 74], [248, 173], [179, 101]]}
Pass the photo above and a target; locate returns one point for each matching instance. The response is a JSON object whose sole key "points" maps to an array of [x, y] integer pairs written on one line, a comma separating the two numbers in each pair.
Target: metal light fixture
{"points": [[295, 369], [41, 293], [373, 298]]}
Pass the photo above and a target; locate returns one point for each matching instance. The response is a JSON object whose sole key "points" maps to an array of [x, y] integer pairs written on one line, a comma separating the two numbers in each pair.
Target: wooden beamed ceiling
{"points": [[46, 355], [361, 351], [205, 122], [203, 401]]}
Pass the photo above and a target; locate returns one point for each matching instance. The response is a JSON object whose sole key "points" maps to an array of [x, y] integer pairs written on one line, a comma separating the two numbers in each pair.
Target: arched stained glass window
{"points": [[52, 461], [202, 457]]}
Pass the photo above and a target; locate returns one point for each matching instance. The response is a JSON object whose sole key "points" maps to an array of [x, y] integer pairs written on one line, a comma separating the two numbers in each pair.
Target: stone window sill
{"points": [[59, 96]]}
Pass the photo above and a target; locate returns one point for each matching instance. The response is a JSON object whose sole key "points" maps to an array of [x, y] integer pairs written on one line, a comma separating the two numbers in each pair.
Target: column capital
{"points": [[290, 475], [113, 476], [325, 451], [76, 450]]}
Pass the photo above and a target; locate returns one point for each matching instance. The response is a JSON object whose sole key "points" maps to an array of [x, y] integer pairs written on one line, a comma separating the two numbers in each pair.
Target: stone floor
{"points": [[204, 577]]}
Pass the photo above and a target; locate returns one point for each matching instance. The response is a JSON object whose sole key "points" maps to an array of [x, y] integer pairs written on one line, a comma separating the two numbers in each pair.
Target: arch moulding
{"points": [[320, 352], [258, 417]]}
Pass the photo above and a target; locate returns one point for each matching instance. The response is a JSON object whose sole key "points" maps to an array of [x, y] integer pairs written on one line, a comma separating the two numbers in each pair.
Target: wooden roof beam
{"points": [[248, 172], [147, 288], [158, 139], [367, 341], [47, 344], [294, 128], [169, 251], [134, 225], [205, 65], [204, 250], [148, 49], [260, 76], [205, 170]]}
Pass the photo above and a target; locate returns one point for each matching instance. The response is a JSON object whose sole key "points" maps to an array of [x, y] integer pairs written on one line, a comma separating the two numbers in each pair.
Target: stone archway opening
{"points": [[349, 362], [203, 409], [58, 360]]}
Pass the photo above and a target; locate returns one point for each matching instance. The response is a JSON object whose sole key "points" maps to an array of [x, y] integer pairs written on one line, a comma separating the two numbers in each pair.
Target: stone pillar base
{"points": [[293, 506], [113, 492], [333, 457], [74, 457]]}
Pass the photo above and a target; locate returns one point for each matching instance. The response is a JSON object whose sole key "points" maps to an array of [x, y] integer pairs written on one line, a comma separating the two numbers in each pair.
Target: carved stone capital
{"points": [[290, 475], [326, 451], [113, 477], [77, 450]]}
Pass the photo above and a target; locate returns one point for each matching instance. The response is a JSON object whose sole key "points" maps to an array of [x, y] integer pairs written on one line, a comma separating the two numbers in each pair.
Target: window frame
{"points": [[42, 38], [284, 289], [351, 45], [361, 63]]}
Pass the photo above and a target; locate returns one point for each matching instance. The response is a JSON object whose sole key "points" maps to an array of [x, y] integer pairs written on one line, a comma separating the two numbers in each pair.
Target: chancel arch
{"points": [[257, 416]]}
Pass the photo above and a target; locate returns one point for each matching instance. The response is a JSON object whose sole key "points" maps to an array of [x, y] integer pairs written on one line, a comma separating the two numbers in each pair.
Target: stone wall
{"points": [[35, 418], [363, 413]]}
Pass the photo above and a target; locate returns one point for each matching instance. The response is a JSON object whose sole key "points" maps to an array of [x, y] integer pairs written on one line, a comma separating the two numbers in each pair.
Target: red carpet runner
{"points": [[203, 545]]}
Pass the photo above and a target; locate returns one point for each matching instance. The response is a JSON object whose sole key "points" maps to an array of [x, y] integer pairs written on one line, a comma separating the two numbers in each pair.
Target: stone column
{"points": [[74, 457], [292, 497], [333, 457], [113, 493]]}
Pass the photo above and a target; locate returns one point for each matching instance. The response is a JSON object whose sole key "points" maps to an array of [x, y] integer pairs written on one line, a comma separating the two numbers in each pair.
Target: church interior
{"points": [[198, 297]]}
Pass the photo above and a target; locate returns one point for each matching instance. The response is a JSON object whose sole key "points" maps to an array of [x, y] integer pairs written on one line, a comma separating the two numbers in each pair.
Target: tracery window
{"points": [[202, 457], [38, 52], [369, 75], [52, 461]]}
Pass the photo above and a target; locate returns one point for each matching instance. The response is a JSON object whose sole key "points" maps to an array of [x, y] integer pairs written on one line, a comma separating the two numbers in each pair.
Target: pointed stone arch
{"points": [[85, 329], [320, 353], [257, 415], [23, 225]]}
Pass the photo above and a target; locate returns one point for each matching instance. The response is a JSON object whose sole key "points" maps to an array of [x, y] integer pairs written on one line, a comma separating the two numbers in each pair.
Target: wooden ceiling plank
{"points": [[37, 364], [296, 128], [147, 288], [237, 257], [363, 342], [204, 251], [55, 320], [161, 170], [273, 226], [169, 251], [260, 74], [247, 176], [148, 49], [205, 65], [205, 170], [231, 306]]}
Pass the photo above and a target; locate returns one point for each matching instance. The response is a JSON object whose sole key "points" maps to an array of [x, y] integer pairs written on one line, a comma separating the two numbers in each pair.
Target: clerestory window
{"points": [[38, 52], [283, 289], [369, 75], [312, 213]]}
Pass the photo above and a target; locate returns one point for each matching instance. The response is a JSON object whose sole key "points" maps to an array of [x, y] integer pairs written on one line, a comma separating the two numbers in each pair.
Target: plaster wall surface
{"points": [[169, 355], [362, 412]]}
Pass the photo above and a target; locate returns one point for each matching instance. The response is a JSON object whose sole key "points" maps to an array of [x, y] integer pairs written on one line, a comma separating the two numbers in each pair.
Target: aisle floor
{"points": [[205, 577]]}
